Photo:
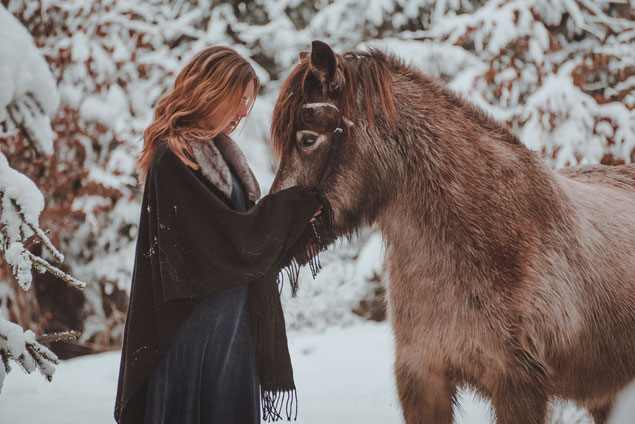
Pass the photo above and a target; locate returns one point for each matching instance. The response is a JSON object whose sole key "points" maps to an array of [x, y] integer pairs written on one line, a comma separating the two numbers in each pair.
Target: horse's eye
{"points": [[307, 140]]}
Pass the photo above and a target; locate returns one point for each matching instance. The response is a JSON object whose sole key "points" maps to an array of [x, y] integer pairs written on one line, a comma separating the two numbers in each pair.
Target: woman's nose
{"points": [[242, 111]]}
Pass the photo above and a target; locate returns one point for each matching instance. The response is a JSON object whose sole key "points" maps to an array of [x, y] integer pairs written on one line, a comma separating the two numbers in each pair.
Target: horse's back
{"points": [[620, 176], [603, 195], [601, 204]]}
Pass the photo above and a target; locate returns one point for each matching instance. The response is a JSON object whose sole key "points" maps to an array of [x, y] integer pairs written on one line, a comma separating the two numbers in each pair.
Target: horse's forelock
{"points": [[289, 103]]}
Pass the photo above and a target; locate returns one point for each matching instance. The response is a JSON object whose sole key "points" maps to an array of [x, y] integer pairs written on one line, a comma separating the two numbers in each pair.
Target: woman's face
{"points": [[216, 118]]}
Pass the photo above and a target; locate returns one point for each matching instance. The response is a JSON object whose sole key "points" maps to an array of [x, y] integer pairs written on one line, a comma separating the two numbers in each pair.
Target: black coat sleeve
{"points": [[199, 245]]}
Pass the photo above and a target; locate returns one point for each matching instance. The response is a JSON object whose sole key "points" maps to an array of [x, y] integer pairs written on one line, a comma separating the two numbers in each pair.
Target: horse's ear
{"points": [[323, 64], [303, 55]]}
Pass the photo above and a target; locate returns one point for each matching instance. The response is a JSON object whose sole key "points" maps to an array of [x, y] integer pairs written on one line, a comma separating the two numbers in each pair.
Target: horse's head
{"points": [[325, 131]]}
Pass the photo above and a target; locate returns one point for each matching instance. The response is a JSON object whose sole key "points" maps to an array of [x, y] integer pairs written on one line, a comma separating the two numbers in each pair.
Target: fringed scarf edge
{"points": [[274, 402], [307, 250]]}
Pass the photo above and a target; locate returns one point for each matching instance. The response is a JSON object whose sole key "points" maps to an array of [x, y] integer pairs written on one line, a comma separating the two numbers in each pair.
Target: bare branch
{"points": [[14, 109]]}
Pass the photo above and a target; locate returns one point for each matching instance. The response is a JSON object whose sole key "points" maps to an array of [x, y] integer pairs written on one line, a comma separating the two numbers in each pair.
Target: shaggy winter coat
{"points": [[504, 275]]}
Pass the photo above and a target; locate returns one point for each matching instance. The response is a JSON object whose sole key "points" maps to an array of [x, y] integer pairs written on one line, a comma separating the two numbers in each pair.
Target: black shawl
{"points": [[192, 243]]}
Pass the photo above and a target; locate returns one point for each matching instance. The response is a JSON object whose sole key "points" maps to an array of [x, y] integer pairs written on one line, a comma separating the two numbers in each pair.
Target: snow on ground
{"points": [[344, 375]]}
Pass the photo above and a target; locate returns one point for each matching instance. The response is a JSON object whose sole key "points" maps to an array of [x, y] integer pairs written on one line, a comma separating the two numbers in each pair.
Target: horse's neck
{"points": [[467, 186]]}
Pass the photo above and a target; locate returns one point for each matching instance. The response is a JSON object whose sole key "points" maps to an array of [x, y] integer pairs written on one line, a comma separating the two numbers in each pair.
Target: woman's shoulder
{"points": [[165, 163], [163, 156], [162, 149], [169, 172]]}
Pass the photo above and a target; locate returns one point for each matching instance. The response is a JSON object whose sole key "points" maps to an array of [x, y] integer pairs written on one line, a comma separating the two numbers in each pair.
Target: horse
{"points": [[504, 276]]}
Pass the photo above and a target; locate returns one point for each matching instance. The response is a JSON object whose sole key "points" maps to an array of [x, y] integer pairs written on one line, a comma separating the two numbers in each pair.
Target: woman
{"points": [[205, 339]]}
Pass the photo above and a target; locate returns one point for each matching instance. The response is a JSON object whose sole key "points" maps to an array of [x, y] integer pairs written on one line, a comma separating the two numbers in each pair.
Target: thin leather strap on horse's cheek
{"points": [[338, 134]]}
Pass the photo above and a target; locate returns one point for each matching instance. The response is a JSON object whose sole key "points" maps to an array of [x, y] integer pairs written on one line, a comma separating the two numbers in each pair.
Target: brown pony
{"points": [[505, 276]]}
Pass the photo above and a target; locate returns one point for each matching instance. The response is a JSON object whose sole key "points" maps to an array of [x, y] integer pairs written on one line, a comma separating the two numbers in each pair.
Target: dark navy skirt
{"points": [[208, 374]]}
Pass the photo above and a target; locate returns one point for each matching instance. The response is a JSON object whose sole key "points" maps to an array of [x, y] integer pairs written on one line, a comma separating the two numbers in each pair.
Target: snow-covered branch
{"points": [[22, 347], [20, 206]]}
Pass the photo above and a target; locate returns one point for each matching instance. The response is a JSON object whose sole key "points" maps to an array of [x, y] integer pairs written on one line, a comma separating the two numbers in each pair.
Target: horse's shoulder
{"points": [[622, 176]]}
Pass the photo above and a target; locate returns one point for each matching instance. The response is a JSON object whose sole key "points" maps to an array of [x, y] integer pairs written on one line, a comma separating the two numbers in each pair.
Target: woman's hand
{"points": [[319, 211]]}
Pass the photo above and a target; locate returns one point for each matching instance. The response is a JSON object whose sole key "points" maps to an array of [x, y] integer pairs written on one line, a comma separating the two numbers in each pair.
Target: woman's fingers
{"points": [[319, 211]]}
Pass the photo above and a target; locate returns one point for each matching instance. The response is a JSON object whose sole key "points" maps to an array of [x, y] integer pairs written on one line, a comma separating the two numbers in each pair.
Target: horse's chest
{"points": [[439, 322]]}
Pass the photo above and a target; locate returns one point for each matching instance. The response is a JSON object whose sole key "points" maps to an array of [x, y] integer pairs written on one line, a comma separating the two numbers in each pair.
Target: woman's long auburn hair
{"points": [[215, 76]]}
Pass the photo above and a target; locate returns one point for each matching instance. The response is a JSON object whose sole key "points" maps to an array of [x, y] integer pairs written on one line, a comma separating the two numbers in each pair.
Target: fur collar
{"points": [[213, 158]]}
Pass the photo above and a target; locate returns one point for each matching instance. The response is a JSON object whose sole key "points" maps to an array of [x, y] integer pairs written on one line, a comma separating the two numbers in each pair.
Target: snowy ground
{"points": [[343, 376]]}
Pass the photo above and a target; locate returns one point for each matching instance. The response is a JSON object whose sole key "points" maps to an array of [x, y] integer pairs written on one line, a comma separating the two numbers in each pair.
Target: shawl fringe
{"points": [[307, 249], [274, 403]]}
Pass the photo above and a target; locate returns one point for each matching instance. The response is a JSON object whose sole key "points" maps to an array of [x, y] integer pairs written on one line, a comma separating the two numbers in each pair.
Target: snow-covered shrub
{"points": [[27, 99], [27, 94], [561, 73]]}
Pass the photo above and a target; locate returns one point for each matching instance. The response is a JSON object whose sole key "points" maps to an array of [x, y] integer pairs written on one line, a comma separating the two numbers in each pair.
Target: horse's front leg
{"points": [[519, 403], [425, 394]]}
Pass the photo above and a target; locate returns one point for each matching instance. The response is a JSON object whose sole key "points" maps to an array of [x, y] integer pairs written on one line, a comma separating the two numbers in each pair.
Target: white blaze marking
{"points": [[317, 105]]}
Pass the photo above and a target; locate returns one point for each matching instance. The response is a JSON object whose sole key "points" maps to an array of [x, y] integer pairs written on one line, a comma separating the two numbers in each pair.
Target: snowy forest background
{"points": [[79, 80]]}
